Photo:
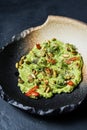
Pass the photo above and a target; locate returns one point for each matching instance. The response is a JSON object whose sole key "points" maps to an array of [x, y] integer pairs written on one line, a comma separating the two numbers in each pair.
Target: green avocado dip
{"points": [[50, 68]]}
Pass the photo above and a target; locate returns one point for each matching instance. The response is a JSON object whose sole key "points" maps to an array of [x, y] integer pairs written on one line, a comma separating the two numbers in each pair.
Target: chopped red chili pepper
{"points": [[36, 94], [32, 91], [38, 46], [70, 83], [34, 88]]}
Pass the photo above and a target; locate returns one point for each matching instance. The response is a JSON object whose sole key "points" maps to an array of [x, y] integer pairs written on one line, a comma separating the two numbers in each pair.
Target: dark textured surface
{"points": [[60, 103], [16, 16]]}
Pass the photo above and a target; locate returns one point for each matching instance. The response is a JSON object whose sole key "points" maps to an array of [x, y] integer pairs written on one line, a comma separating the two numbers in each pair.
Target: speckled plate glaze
{"points": [[62, 28]]}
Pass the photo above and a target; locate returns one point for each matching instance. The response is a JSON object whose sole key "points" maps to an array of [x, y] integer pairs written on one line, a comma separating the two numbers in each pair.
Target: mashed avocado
{"points": [[49, 68]]}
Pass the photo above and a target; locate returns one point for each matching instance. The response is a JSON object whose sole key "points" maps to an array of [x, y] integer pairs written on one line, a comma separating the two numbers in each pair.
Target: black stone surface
{"points": [[15, 16]]}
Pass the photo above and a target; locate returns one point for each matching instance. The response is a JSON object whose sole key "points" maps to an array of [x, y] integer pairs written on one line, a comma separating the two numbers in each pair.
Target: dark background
{"points": [[15, 16]]}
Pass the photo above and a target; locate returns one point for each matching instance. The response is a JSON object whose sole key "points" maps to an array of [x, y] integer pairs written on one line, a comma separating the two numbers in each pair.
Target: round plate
{"points": [[62, 28]]}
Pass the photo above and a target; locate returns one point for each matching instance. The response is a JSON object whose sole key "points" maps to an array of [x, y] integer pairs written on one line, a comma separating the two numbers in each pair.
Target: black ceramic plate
{"points": [[21, 45]]}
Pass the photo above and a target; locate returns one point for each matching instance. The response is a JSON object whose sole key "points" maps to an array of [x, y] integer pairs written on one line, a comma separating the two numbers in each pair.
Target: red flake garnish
{"points": [[38, 46]]}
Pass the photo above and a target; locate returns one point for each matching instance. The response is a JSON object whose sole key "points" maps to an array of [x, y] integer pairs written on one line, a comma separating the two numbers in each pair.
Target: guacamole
{"points": [[50, 68]]}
